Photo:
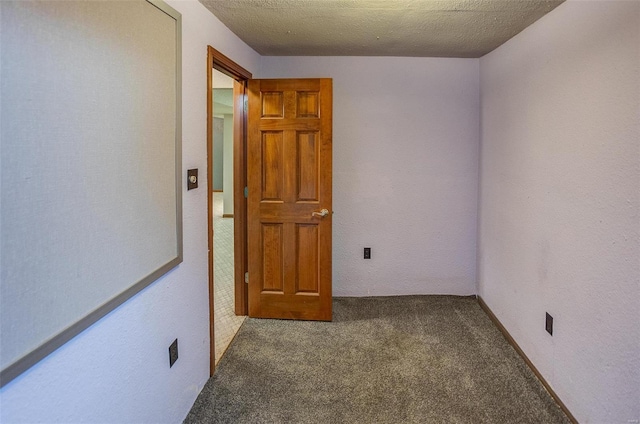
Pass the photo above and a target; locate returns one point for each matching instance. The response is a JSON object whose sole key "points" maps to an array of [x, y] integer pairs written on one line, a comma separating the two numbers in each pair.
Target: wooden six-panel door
{"points": [[289, 181]]}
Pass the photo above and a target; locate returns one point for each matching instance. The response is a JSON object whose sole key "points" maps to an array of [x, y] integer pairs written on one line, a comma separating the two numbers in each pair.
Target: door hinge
{"points": [[246, 192], [246, 278], [246, 104]]}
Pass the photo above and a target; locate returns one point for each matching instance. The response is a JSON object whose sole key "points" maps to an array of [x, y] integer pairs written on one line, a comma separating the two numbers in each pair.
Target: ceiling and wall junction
{"points": [[415, 28]]}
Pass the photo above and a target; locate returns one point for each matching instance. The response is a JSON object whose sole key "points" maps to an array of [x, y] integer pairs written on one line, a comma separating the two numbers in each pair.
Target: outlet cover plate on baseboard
{"points": [[173, 353]]}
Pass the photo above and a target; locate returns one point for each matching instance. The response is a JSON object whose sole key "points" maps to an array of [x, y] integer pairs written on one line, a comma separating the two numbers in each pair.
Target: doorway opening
{"points": [[227, 205], [226, 322]]}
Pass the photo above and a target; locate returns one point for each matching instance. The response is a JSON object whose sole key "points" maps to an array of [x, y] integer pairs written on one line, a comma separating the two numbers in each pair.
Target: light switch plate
{"points": [[192, 179]]}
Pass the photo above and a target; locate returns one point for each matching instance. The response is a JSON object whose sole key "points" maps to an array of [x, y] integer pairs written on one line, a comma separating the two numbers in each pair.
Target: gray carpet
{"points": [[410, 359]]}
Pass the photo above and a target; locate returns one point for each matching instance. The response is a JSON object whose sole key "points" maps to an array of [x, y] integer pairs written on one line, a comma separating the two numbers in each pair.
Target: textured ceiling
{"points": [[425, 28]]}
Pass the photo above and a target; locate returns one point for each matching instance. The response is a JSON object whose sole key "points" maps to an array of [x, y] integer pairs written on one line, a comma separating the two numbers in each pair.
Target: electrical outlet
{"points": [[173, 353], [549, 324], [367, 253]]}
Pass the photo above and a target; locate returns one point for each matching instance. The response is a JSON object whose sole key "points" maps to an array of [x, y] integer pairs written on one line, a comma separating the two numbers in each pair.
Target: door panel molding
{"points": [[289, 148]]}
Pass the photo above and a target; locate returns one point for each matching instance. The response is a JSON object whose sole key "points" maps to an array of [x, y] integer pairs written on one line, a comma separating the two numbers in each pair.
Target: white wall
{"points": [[218, 151], [405, 158], [117, 370], [227, 180], [559, 201]]}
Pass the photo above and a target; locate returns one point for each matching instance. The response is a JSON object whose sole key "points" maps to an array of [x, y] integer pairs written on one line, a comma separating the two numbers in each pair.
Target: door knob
{"points": [[321, 214]]}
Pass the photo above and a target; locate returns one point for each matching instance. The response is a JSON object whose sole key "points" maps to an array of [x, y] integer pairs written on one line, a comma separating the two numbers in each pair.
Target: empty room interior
{"points": [[505, 176]]}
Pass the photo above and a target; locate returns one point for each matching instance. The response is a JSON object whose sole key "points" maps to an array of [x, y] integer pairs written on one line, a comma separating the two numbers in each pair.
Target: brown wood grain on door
{"points": [[289, 178]]}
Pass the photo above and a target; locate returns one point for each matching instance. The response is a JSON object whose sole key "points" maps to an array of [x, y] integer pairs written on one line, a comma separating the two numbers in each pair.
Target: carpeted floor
{"points": [[410, 359]]}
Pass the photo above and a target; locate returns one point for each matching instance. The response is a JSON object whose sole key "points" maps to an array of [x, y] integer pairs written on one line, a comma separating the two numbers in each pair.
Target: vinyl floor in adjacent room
{"points": [[226, 323], [409, 359]]}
